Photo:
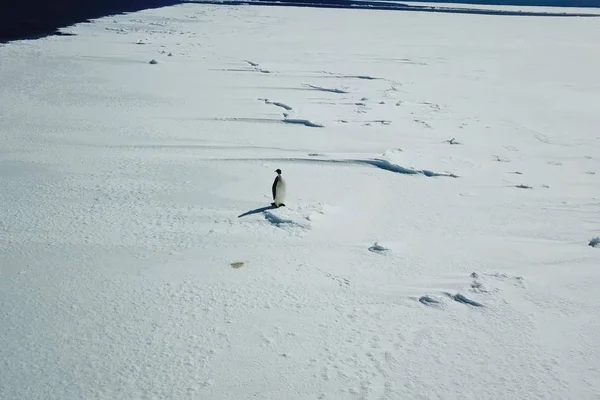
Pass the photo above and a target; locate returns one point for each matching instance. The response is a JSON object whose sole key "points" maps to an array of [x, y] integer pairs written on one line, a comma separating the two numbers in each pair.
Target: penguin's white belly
{"points": [[279, 192]]}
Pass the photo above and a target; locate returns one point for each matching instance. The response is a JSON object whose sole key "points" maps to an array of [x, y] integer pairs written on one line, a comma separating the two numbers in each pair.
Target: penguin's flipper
{"points": [[274, 187]]}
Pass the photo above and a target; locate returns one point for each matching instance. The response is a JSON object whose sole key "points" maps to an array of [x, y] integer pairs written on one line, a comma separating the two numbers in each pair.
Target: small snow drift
{"points": [[322, 89], [304, 122], [377, 248], [365, 77], [388, 166], [256, 67], [430, 301], [462, 299], [595, 242], [278, 104]]}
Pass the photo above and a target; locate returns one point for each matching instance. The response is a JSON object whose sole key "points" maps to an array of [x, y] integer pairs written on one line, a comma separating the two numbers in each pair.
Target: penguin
{"points": [[278, 190]]}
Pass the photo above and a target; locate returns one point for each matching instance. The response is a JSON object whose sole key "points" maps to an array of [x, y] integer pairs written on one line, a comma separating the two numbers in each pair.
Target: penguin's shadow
{"points": [[257, 211]]}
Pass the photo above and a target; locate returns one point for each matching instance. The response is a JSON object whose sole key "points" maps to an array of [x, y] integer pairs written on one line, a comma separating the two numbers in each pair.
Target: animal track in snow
{"points": [[282, 222], [339, 280], [433, 106], [425, 124], [480, 282]]}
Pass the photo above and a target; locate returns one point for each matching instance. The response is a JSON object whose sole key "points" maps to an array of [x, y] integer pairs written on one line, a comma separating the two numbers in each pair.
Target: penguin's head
{"points": [[278, 171]]}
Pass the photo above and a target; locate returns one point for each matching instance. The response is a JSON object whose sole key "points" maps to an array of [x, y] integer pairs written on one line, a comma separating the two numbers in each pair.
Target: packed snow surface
{"points": [[140, 257]]}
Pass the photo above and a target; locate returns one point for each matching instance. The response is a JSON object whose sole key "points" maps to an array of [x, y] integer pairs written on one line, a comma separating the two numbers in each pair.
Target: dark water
{"points": [[31, 19]]}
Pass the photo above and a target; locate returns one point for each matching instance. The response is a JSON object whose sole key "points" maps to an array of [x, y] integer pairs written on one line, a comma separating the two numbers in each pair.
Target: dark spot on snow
{"points": [[453, 141], [521, 186], [595, 242], [501, 159], [153, 61]]}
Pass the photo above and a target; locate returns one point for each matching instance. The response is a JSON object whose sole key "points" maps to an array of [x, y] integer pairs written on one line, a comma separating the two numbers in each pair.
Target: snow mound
{"points": [[392, 160], [377, 248]]}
